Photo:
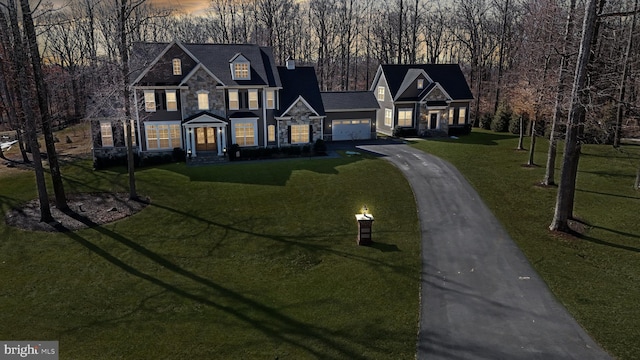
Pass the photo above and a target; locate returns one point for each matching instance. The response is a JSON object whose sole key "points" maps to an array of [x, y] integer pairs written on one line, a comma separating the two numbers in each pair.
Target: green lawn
{"points": [[595, 276], [241, 261]]}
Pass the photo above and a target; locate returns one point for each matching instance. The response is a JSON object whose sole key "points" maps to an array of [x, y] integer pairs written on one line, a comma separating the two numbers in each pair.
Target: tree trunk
{"points": [[27, 106], [520, 140], [124, 56], [501, 55], [566, 190], [532, 147], [43, 103], [637, 184], [549, 176], [623, 80]]}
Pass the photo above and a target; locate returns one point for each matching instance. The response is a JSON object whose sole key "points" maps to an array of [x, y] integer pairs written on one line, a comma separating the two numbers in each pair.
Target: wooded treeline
{"points": [[510, 49]]}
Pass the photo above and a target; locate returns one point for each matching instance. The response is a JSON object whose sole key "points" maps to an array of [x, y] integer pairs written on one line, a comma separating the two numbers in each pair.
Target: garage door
{"points": [[351, 129]]}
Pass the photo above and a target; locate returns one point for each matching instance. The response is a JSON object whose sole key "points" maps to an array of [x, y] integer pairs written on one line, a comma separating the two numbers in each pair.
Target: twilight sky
{"points": [[189, 6]]}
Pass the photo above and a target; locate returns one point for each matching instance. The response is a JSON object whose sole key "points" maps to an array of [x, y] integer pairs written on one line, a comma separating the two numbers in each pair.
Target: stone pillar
{"points": [[365, 225]]}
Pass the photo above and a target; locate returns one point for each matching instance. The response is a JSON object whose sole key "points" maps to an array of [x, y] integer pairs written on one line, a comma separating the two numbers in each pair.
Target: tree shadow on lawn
{"points": [[268, 320], [260, 172], [607, 194], [475, 138]]}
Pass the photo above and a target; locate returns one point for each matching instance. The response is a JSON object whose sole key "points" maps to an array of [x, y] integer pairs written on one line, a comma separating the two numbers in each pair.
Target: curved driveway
{"points": [[480, 297]]}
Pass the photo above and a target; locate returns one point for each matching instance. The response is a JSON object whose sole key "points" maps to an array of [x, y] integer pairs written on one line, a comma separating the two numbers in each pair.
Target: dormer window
{"points": [[177, 67], [241, 71], [420, 84], [240, 68]]}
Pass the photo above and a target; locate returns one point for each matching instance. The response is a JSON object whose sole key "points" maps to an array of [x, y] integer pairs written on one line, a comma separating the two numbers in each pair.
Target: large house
{"points": [[203, 98], [430, 98]]}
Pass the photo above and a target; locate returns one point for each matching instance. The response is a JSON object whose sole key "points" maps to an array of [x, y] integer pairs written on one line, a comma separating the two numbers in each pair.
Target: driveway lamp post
{"points": [[365, 223]]}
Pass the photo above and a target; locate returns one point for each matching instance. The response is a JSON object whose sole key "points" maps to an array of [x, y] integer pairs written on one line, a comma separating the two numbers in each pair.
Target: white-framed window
{"points": [[241, 71], [234, 103], [420, 84], [244, 131], [177, 67], [462, 114], [380, 93], [451, 114], [253, 99], [271, 99], [405, 117], [299, 134], [172, 100], [203, 100], [271, 133], [388, 117], [149, 100], [163, 135], [106, 133]]}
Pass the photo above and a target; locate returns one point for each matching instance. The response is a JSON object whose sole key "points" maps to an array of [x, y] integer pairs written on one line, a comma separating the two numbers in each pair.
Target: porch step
{"points": [[206, 159]]}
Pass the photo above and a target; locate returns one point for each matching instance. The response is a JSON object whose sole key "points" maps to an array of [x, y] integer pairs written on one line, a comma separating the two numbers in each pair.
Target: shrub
{"points": [[234, 150], [485, 121], [459, 130], [320, 148], [501, 119], [400, 131], [179, 155]]}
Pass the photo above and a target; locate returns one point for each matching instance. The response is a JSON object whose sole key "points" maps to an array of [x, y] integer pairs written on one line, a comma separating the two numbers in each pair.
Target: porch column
{"points": [[192, 140], [219, 140]]}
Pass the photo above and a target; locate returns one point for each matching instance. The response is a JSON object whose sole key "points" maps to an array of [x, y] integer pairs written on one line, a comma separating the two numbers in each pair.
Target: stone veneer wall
{"points": [[300, 115], [201, 80], [423, 126]]}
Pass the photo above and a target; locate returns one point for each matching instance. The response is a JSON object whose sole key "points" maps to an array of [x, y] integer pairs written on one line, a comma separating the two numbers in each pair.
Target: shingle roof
{"points": [[449, 76], [301, 81], [349, 101], [216, 57]]}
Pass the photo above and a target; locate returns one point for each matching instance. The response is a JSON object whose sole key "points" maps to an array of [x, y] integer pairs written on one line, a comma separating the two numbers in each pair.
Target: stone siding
{"points": [[201, 80], [300, 115]]}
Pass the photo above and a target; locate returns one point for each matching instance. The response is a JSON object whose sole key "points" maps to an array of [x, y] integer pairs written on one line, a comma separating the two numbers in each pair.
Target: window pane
{"points": [[172, 102], [241, 71], [271, 99], [451, 110], [233, 100], [381, 93], [163, 136], [176, 139], [387, 117], [244, 133], [404, 117], [271, 133], [177, 67], [152, 136], [107, 134], [253, 99], [203, 101], [149, 101], [299, 134], [461, 115]]}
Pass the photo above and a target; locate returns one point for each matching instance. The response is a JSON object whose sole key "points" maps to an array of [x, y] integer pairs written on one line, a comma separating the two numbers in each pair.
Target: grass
{"points": [[595, 276], [248, 260]]}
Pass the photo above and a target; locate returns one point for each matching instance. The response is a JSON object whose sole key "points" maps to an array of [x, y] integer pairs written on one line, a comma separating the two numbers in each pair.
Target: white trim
{"points": [[171, 140], [436, 85], [253, 121], [430, 112], [305, 126], [138, 135], [164, 87], [162, 53], [411, 119], [266, 98], [195, 69], [300, 98], [383, 93]]}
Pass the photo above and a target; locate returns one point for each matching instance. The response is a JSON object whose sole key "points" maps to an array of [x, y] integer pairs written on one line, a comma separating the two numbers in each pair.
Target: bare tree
{"points": [[624, 76], [564, 201]]}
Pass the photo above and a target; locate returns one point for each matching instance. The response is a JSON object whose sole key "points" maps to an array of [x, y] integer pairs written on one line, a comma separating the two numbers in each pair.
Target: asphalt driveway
{"points": [[480, 297]]}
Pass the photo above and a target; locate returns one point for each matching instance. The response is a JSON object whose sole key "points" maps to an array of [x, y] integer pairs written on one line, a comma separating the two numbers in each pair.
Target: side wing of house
{"points": [[301, 120], [350, 115]]}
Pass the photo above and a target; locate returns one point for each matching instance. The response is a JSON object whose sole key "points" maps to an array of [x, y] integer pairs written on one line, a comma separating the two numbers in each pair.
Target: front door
{"points": [[433, 120], [206, 139]]}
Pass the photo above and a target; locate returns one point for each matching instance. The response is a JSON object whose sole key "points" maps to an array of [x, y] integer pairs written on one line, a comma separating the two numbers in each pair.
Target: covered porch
{"points": [[206, 134]]}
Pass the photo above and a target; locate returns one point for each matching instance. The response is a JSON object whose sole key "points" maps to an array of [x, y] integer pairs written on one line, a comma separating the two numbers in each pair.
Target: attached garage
{"points": [[351, 129], [350, 115]]}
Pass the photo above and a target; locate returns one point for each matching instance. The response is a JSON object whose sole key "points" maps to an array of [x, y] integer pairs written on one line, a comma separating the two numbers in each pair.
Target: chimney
{"points": [[291, 63]]}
